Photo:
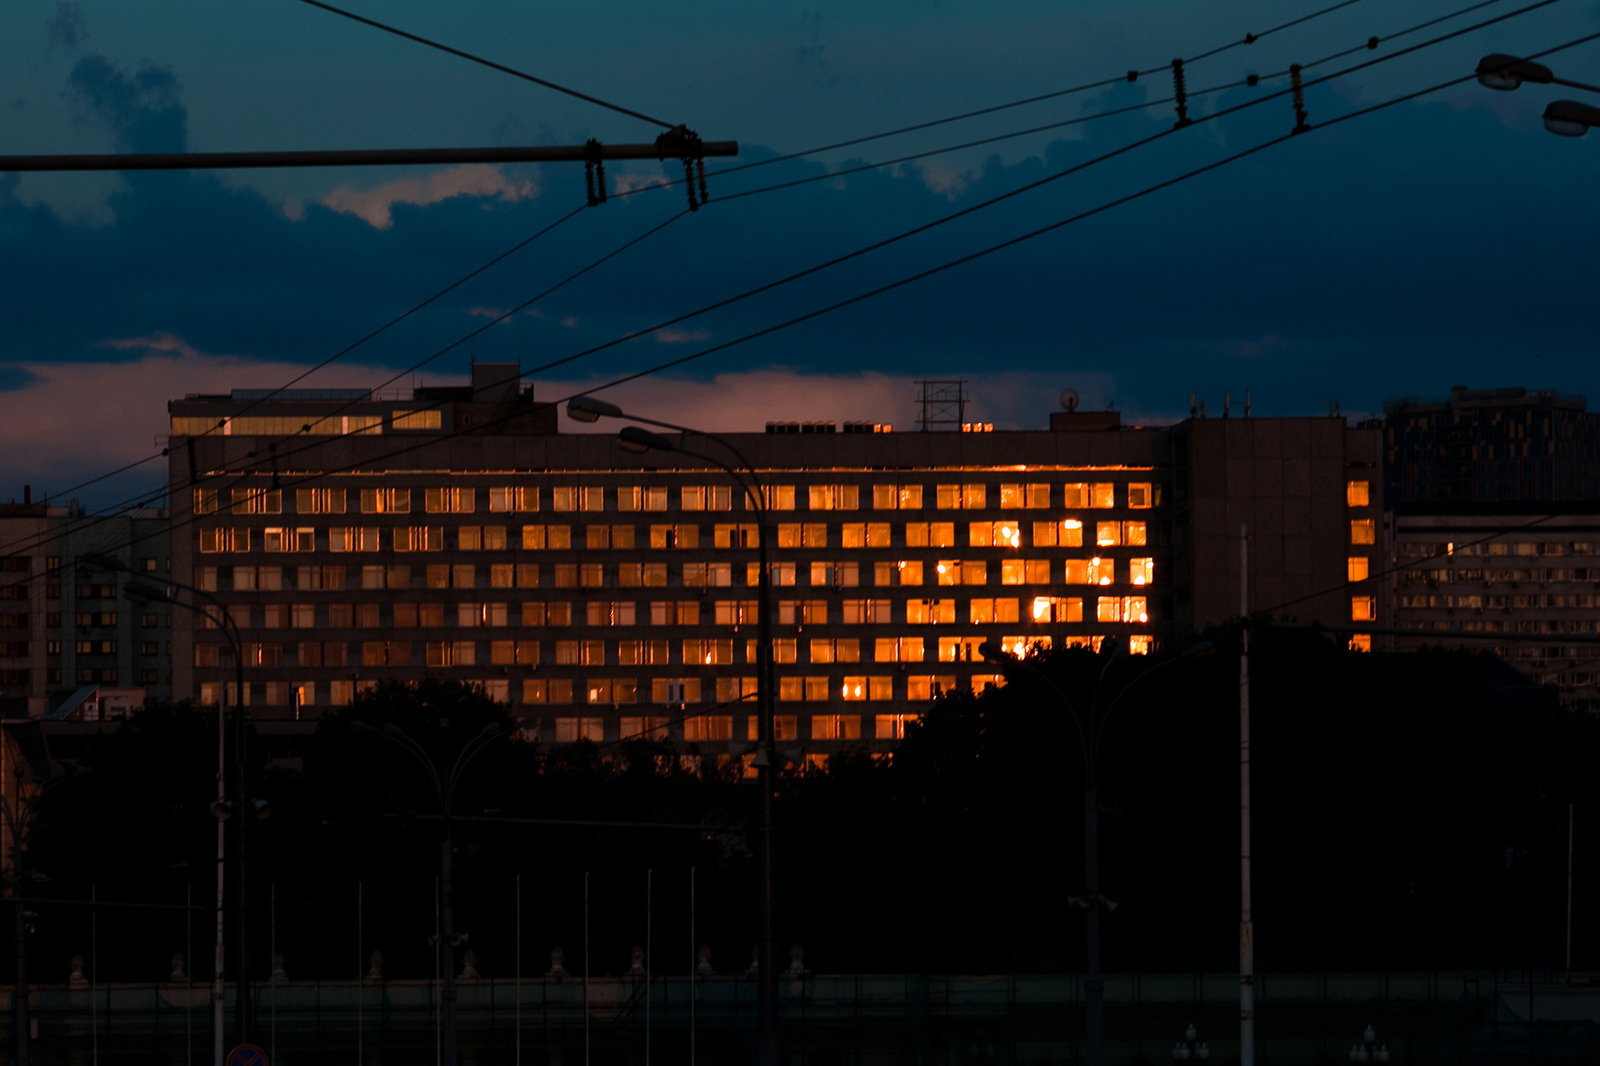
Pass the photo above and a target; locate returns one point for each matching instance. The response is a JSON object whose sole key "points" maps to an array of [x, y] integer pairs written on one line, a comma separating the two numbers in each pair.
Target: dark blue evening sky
{"points": [[1446, 240]]}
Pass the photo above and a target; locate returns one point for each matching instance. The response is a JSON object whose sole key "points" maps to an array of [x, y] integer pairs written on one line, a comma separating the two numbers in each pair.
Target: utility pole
{"points": [[1247, 966]]}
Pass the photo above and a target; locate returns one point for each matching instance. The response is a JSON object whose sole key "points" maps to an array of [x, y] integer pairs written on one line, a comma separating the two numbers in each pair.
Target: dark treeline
{"points": [[1410, 810]]}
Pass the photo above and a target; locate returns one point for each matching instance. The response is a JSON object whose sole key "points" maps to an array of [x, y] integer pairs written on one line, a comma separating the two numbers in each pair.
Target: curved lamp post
{"points": [[636, 439], [1564, 118], [139, 590], [445, 790], [1091, 731]]}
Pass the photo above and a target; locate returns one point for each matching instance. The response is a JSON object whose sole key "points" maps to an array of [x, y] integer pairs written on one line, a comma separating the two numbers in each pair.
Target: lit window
{"points": [[994, 534], [1363, 608], [1108, 534], [1357, 493], [1361, 642], [1363, 531], [1140, 494], [1358, 567], [1102, 495], [1141, 571], [1139, 644]]}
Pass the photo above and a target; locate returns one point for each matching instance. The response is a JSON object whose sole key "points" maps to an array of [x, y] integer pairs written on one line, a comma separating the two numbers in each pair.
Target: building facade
{"points": [[1506, 569], [1491, 446], [66, 634], [609, 593]]}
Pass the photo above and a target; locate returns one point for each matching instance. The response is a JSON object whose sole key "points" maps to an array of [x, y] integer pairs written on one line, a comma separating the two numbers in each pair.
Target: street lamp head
{"points": [[100, 562], [589, 409], [1202, 650], [993, 652], [492, 729], [393, 730], [143, 592], [1505, 73], [637, 439], [1568, 118], [1191, 1032], [365, 727]]}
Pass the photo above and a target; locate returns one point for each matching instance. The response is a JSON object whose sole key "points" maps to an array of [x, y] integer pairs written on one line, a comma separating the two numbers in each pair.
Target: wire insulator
{"points": [[594, 163], [1253, 80], [1133, 75], [1180, 95], [1251, 38], [1300, 125], [700, 173], [1372, 44], [688, 183]]}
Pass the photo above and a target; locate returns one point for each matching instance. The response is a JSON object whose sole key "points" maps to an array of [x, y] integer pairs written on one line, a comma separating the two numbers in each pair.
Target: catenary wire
{"points": [[111, 514], [487, 63], [976, 207], [347, 349], [947, 265], [890, 162]]}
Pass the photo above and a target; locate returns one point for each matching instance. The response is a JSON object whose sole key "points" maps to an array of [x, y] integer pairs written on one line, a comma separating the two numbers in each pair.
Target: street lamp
{"points": [[141, 591], [637, 439], [1369, 1050], [1091, 731], [1564, 118], [19, 818], [1191, 1047], [445, 791]]}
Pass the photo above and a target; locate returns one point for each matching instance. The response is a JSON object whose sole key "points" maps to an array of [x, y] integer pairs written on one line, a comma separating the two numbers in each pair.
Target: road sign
{"points": [[247, 1055]]}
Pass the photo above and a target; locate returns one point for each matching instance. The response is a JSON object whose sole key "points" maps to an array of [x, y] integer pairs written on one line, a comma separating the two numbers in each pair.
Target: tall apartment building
{"points": [[66, 635], [1491, 446], [460, 533], [1507, 569]]}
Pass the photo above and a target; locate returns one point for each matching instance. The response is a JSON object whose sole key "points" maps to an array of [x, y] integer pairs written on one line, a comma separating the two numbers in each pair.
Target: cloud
{"points": [[682, 336], [571, 321], [143, 110], [486, 312], [476, 179], [160, 341], [71, 421], [626, 183], [67, 27]]}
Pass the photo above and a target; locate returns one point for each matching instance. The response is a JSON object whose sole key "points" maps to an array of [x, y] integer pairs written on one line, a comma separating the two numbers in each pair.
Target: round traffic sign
{"points": [[247, 1055]]}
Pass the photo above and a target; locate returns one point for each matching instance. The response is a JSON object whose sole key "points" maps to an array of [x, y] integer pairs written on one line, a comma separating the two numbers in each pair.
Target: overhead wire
{"points": [[430, 442], [1250, 38], [347, 349], [385, 27], [976, 207]]}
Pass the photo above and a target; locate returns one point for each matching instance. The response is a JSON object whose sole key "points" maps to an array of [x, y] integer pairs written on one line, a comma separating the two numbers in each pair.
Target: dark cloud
{"points": [[143, 111], [67, 27], [1358, 261]]}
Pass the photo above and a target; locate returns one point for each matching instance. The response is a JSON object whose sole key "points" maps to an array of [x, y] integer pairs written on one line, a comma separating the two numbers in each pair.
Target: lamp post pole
{"points": [[444, 790], [141, 591], [1091, 731], [589, 409]]}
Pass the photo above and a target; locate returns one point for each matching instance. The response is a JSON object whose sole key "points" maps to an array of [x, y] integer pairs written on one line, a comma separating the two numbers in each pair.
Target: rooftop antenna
{"points": [[944, 402]]}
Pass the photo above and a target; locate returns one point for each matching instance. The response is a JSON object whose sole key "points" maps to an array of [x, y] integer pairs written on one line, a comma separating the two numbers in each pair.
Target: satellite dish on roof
{"points": [[1069, 399]]}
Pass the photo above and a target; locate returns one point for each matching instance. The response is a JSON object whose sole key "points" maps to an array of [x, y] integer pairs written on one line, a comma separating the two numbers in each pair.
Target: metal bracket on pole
{"points": [[595, 167], [685, 144]]}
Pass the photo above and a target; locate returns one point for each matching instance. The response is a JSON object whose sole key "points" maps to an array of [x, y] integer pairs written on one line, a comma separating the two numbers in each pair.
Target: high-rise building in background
{"points": [[70, 644], [1490, 446], [458, 532], [1496, 494]]}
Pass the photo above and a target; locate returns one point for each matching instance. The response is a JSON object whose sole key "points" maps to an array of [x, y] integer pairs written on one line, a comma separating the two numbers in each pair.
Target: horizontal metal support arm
{"points": [[373, 157]]}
